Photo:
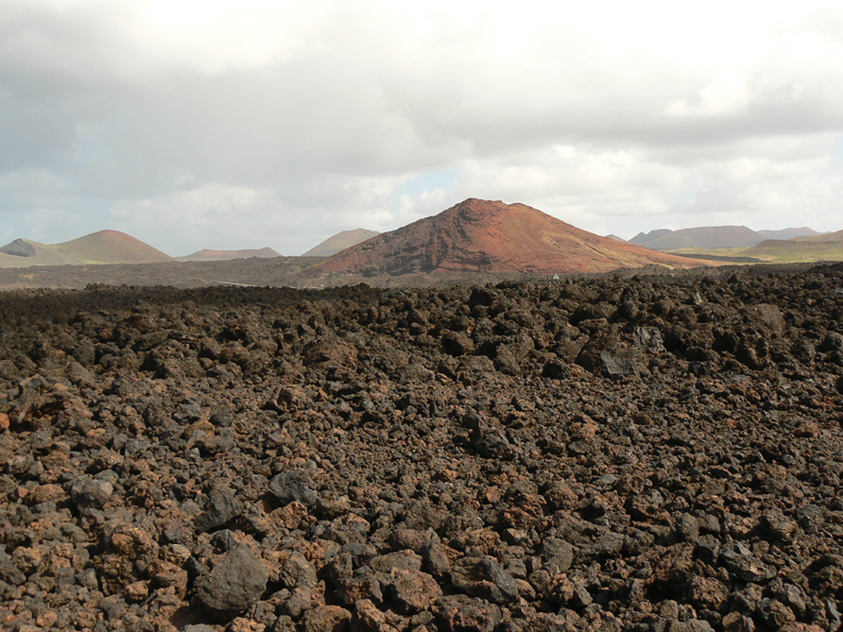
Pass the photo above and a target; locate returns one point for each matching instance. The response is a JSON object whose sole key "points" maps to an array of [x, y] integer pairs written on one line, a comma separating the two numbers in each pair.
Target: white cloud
{"points": [[727, 95], [235, 124]]}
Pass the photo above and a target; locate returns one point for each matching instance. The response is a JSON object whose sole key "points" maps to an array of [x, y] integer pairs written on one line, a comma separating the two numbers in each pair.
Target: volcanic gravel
{"points": [[644, 453]]}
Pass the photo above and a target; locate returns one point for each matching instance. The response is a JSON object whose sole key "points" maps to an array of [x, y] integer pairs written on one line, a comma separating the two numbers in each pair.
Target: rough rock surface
{"points": [[235, 584], [638, 453]]}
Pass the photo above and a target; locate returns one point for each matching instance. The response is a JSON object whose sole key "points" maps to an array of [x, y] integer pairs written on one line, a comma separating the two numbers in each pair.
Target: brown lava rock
{"points": [[628, 452]]}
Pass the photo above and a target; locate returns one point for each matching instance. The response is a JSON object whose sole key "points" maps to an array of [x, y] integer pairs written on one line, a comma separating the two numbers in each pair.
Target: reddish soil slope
{"points": [[480, 235], [110, 246]]}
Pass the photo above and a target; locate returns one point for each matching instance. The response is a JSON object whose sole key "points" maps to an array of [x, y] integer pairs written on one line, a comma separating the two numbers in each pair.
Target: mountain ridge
{"points": [[207, 254], [821, 247], [705, 237], [713, 237]]}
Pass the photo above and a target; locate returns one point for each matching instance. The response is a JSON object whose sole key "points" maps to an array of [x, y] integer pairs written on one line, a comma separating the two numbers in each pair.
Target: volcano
{"points": [[105, 246], [491, 236], [110, 246]]}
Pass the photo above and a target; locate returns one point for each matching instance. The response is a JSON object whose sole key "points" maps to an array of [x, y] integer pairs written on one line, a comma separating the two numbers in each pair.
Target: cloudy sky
{"points": [[221, 124]]}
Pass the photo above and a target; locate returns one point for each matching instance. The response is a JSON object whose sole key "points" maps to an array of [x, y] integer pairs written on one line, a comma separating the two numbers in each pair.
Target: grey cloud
{"points": [[333, 127], [722, 197], [32, 135], [64, 57]]}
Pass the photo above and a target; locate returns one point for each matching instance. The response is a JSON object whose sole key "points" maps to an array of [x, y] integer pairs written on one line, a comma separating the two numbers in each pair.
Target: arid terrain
{"points": [[738, 244], [277, 271], [637, 452], [474, 241]]}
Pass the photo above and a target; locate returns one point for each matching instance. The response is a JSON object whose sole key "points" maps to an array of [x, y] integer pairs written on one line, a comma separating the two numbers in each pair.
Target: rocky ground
{"points": [[645, 453]]}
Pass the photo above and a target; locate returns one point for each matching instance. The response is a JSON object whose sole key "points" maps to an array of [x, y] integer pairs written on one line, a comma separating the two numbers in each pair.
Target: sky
{"points": [[228, 125]]}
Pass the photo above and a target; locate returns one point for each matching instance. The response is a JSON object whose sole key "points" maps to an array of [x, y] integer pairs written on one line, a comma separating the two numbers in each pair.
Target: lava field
{"points": [[611, 454]]}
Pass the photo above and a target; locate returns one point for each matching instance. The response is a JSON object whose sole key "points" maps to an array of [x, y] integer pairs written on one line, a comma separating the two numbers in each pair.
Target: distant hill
{"points": [[21, 248], [822, 247], [105, 246], [788, 233], [485, 236], [340, 242], [643, 238], [615, 237], [831, 238], [111, 246], [714, 237], [703, 238], [23, 253], [228, 255]]}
